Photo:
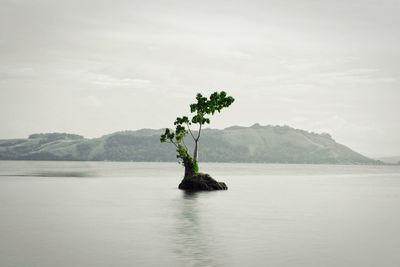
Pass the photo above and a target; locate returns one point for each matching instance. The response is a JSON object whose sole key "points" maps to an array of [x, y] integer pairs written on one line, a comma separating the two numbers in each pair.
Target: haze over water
{"points": [[132, 214]]}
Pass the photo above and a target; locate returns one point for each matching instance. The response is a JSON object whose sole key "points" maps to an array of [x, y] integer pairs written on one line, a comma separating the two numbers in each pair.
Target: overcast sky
{"points": [[95, 67]]}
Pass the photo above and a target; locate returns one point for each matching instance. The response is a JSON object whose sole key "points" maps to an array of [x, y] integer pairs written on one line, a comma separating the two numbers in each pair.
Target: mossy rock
{"points": [[201, 182]]}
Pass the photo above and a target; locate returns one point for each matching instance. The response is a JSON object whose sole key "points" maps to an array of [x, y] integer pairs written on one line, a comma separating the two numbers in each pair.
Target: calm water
{"points": [[132, 214]]}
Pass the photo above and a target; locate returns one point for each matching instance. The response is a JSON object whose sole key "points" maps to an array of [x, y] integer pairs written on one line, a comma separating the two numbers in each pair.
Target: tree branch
{"points": [[190, 131], [183, 142], [198, 135], [172, 142]]}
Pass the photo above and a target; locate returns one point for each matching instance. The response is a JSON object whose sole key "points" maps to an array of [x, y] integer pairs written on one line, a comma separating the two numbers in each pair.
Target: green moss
{"points": [[196, 167]]}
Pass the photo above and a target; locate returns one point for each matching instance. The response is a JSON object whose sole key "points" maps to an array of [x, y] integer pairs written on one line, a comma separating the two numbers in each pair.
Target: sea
{"points": [[81, 214]]}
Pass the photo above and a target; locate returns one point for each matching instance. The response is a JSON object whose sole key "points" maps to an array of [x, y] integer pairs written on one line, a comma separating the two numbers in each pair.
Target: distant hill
{"points": [[258, 144], [391, 160]]}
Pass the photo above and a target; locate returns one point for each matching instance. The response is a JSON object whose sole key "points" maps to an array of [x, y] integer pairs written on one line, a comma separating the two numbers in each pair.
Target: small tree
{"points": [[202, 109]]}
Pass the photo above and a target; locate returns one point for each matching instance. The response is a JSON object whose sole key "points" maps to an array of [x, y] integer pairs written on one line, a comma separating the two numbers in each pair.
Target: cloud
{"points": [[108, 81], [91, 101], [351, 76]]}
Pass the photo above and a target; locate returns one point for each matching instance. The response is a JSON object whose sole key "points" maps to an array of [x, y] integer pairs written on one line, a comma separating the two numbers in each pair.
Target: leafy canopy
{"points": [[202, 109]]}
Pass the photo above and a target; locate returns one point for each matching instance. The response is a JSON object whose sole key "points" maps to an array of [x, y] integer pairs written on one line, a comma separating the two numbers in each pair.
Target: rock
{"points": [[201, 182]]}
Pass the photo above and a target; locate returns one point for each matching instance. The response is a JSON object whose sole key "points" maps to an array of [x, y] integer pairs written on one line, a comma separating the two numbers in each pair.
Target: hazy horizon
{"points": [[96, 67]]}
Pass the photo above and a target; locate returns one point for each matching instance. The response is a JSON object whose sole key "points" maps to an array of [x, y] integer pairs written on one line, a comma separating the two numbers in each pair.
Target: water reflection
{"points": [[73, 174], [192, 237]]}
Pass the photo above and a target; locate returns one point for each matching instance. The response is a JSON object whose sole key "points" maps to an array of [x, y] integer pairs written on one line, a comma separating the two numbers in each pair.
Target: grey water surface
{"points": [[132, 214]]}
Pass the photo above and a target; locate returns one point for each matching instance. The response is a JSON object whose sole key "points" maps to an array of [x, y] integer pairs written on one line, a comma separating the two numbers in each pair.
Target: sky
{"points": [[94, 67]]}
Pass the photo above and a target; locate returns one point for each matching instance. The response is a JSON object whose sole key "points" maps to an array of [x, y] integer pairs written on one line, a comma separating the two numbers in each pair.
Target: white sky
{"points": [[95, 67]]}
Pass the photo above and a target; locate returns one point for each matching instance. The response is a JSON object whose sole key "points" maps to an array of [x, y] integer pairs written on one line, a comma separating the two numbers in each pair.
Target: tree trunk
{"points": [[195, 152], [188, 171], [189, 168]]}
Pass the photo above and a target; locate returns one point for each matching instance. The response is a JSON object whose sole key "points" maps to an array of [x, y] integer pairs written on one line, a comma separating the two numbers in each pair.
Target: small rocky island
{"points": [[197, 181], [201, 181], [194, 180]]}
